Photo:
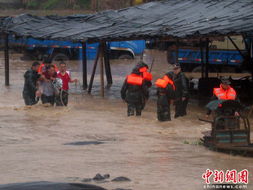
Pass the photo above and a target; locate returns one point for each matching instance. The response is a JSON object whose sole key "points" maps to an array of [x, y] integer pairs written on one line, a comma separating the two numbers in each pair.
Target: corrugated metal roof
{"points": [[176, 18]]}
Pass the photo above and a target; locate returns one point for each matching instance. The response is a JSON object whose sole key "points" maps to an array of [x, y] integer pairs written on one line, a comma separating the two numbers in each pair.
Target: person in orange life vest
{"points": [[224, 92], [143, 68], [44, 66], [64, 75], [45, 71], [133, 92], [147, 79], [166, 93]]}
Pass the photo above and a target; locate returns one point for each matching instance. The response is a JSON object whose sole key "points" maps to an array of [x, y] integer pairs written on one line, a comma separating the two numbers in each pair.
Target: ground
{"points": [[34, 141]]}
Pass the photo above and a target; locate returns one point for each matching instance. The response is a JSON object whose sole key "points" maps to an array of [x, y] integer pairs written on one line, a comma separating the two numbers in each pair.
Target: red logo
{"points": [[230, 176]]}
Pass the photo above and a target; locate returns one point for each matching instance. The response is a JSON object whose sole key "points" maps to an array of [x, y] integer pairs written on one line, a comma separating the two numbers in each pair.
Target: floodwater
{"points": [[93, 135]]}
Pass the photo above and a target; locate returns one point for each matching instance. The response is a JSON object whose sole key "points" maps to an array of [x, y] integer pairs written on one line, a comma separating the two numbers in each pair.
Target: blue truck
{"points": [[64, 50], [219, 60], [223, 55]]}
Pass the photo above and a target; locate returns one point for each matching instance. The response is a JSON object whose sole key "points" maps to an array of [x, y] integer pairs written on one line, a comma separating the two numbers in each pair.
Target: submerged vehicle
{"points": [[230, 129]]}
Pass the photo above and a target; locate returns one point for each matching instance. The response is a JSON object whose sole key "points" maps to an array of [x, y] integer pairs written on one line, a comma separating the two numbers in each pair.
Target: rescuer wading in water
{"points": [[134, 91], [166, 93], [30, 91]]}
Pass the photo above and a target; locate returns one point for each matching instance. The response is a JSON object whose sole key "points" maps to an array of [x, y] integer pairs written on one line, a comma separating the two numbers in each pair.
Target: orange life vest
{"points": [[166, 78], [147, 76], [223, 94], [134, 79], [161, 83], [143, 69], [42, 65]]}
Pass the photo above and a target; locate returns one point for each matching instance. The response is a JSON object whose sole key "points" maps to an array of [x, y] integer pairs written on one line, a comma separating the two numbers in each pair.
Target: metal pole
{"points": [[94, 71], [177, 50], [207, 58], [251, 57], [107, 65], [84, 63], [202, 58], [7, 65], [102, 87], [236, 47]]}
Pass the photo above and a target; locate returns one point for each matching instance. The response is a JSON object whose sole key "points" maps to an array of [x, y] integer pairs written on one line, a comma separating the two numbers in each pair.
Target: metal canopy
{"points": [[170, 18]]}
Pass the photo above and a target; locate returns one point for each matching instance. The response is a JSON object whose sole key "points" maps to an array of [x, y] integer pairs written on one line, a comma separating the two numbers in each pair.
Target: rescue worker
{"points": [[45, 65], [224, 92], [47, 88], [147, 79], [181, 92], [64, 75], [147, 76], [166, 93], [30, 91], [133, 92]]}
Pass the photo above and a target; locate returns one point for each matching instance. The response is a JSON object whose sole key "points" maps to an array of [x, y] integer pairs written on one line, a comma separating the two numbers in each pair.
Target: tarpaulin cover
{"points": [[172, 18]]}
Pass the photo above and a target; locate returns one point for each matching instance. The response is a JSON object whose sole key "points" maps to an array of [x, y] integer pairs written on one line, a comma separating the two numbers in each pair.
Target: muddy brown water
{"points": [[34, 142]]}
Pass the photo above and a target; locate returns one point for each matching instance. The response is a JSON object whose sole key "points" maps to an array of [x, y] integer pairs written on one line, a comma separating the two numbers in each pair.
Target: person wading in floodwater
{"points": [[30, 91], [147, 79], [45, 65], [181, 92], [133, 92], [47, 88], [64, 75], [165, 93]]}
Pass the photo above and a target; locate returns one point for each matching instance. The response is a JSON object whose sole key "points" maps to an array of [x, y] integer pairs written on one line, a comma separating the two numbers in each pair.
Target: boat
{"points": [[230, 129]]}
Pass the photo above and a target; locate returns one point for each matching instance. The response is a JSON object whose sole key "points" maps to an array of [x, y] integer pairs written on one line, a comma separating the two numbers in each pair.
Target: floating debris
{"points": [[82, 143], [121, 179]]}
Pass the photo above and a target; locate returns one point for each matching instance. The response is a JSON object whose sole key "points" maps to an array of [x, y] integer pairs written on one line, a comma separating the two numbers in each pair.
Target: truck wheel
{"points": [[125, 56], [197, 69], [60, 57]]}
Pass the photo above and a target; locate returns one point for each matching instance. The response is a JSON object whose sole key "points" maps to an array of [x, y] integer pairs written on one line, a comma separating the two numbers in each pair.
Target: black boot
{"points": [[130, 110]]}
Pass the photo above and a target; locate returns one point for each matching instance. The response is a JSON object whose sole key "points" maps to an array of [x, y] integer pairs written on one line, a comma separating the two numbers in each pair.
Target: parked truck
{"points": [[65, 50], [223, 55]]}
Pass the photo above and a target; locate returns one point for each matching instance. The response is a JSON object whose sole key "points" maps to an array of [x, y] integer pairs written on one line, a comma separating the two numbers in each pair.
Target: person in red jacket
{"points": [[64, 75]]}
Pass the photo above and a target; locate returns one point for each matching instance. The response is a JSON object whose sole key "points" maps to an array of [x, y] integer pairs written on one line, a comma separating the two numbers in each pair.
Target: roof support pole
{"points": [[102, 51], [245, 42], [84, 63], [107, 65], [202, 58], [237, 48], [207, 58], [251, 57], [94, 70], [6, 60], [177, 50]]}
